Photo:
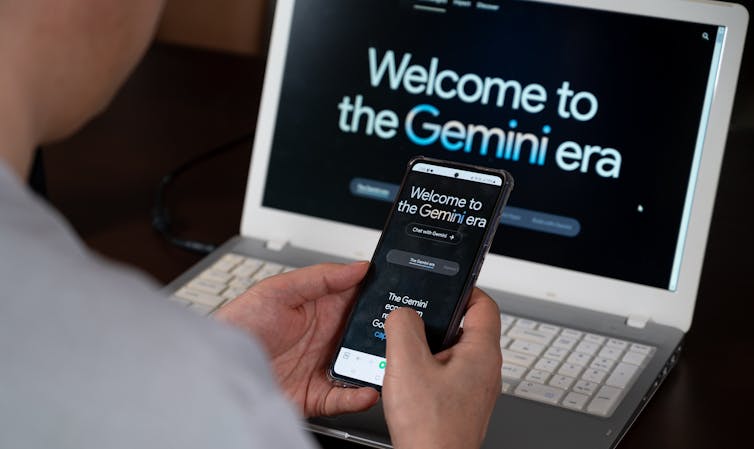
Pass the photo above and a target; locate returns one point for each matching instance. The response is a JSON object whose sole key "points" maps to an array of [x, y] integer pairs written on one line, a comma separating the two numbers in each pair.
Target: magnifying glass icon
{"points": [[705, 36]]}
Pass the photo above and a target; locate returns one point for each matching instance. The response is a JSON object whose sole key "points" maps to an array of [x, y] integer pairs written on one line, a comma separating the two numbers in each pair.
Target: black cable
{"points": [[161, 215]]}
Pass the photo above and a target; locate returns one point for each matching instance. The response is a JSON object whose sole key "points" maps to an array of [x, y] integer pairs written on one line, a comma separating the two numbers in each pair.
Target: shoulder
{"points": [[96, 357]]}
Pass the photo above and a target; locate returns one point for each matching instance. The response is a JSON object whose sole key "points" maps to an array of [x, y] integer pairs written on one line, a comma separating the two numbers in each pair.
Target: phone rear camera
{"points": [[456, 175]]}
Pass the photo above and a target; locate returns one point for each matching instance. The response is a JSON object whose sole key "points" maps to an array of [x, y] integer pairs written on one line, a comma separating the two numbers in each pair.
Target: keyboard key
{"points": [[570, 333], [594, 375], [512, 371], [557, 354], [587, 348], [198, 297], [506, 387], [233, 292], [585, 387], [207, 286], [504, 341], [216, 275], [579, 358], [269, 269], [517, 358], [561, 381], [548, 329], [538, 392], [575, 401], [227, 262], [566, 343], [538, 376], [641, 349], [604, 401], [531, 335], [526, 347], [602, 363], [621, 375], [526, 324], [634, 358], [249, 261], [617, 344], [546, 365], [610, 353], [593, 338], [570, 369], [246, 269], [241, 283]]}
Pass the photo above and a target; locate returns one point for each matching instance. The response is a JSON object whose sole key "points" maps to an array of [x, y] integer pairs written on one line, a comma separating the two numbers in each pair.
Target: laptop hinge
{"points": [[637, 321], [275, 245]]}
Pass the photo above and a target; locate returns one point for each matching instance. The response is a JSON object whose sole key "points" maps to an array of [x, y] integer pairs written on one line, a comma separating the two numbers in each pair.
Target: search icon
{"points": [[705, 36]]}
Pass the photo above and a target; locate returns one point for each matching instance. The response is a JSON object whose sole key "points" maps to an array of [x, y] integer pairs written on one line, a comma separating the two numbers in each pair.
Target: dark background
{"points": [[650, 84], [179, 102]]}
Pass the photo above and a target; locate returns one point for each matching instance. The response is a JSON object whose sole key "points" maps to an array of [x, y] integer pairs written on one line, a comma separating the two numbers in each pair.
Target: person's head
{"points": [[64, 59]]}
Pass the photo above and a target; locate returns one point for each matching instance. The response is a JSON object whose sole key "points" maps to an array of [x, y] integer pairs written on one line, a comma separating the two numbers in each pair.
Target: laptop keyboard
{"points": [[563, 367], [568, 368], [224, 281]]}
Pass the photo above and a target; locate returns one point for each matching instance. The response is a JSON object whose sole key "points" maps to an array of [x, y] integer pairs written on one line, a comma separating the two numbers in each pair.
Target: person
{"points": [[92, 357]]}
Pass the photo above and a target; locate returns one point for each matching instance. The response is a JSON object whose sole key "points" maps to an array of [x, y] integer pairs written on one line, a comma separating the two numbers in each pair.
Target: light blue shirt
{"points": [[91, 356]]}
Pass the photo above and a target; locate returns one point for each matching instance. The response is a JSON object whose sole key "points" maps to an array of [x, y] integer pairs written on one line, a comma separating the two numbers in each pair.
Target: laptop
{"points": [[611, 116]]}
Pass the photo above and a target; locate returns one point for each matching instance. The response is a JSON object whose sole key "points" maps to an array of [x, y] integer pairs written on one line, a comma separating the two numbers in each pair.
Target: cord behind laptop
{"points": [[161, 221]]}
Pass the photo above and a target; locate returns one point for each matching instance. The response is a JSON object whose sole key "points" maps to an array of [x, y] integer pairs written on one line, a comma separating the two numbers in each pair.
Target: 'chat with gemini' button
{"points": [[433, 233]]}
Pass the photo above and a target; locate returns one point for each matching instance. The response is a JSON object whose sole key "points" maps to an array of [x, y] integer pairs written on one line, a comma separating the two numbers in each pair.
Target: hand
{"points": [[298, 317], [443, 400]]}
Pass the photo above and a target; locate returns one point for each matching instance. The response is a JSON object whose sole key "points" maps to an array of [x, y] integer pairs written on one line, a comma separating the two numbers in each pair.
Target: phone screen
{"points": [[428, 257]]}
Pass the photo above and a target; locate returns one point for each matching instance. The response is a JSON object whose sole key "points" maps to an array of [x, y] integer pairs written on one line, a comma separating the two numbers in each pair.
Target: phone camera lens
{"points": [[456, 175]]}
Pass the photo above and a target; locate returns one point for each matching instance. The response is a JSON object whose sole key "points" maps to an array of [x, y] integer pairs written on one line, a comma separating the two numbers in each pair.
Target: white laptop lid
{"points": [[611, 116]]}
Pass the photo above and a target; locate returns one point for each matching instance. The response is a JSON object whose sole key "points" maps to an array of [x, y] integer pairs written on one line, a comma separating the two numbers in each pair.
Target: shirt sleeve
{"points": [[91, 355]]}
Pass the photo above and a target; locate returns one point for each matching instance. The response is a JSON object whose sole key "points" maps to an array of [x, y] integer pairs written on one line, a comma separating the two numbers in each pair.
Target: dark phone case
{"points": [[451, 333]]}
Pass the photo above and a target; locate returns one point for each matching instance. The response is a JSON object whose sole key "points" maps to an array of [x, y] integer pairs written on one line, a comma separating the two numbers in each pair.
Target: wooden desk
{"points": [[181, 102]]}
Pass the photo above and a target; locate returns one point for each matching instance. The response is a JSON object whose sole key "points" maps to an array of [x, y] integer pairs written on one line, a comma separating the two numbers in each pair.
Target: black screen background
{"points": [[648, 74]]}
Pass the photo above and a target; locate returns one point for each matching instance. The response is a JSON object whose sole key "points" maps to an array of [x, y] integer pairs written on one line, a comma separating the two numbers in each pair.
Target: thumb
{"points": [[406, 341]]}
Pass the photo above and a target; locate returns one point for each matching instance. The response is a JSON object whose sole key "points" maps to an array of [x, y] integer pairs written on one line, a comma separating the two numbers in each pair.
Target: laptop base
{"points": [[521, 423]]}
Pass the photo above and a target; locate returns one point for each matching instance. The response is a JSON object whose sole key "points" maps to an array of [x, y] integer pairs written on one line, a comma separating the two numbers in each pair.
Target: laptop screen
{"points": [[599, 116]]}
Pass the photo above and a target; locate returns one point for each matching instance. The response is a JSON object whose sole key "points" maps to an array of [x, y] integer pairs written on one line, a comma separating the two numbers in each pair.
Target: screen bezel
{"points": [[673, 308]]}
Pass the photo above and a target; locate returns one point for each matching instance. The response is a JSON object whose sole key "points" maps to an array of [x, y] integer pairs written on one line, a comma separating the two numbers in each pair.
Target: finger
{"points": [[309, 283], [349, 400], [482, 321], [406, 340]]}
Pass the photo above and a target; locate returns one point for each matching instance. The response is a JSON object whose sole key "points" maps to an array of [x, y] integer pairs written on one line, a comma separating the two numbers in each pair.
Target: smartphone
{"points": [[428, 257]]}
